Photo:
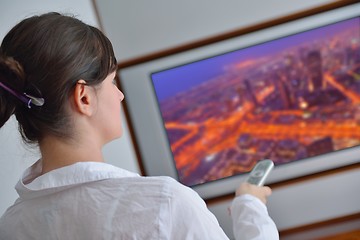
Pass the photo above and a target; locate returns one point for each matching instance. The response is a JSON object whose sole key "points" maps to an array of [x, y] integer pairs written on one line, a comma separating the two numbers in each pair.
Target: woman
{"points": [[56, 76]]}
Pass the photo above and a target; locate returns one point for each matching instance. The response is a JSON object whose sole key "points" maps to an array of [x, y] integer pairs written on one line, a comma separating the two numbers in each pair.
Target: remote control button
{"points": [[258, 173]]}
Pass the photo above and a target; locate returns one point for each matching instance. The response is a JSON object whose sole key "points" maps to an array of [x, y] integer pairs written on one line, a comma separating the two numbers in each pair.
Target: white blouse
{"points": [[89, 200]]}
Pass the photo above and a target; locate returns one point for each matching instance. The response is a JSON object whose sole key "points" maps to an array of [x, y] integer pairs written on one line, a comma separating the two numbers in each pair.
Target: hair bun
{"points": [[10, 68]]}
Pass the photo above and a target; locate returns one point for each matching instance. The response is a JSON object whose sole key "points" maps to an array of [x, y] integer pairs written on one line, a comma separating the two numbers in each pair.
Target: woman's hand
{"points": [[260, 192]]}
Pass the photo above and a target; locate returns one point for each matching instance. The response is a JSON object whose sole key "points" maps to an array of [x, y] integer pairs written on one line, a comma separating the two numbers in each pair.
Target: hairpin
{"points": [[26, 98]]}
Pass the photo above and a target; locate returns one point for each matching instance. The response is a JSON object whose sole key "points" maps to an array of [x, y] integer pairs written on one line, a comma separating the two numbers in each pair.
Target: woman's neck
{"points": [[57, 153]]}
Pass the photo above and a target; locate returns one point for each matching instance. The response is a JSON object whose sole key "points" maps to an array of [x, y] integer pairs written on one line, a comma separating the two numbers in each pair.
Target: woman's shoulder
{"points": [[151, 186], [166, 184]]}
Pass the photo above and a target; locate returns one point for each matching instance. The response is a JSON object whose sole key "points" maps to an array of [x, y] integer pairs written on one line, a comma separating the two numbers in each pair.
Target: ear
{"points": [[83, 98]]}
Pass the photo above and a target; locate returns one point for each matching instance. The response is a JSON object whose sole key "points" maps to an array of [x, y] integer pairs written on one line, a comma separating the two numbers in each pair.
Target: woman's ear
{"points": [[83, 98]]}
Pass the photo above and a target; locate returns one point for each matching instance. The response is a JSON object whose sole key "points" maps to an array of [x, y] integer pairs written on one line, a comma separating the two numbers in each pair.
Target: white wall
{"points": [[140, 27], [14, 156]]}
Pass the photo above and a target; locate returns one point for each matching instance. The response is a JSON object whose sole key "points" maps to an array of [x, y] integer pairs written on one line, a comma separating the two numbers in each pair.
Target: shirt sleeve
{"points": [[188, 216], [251, 220]]}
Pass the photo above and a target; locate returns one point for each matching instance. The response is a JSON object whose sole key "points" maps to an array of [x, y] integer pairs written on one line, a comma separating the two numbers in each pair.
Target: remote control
{"points": [[260, 172]]}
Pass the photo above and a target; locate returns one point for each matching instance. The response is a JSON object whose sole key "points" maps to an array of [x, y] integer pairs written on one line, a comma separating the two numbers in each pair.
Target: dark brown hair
{"points": [[45, 56]]}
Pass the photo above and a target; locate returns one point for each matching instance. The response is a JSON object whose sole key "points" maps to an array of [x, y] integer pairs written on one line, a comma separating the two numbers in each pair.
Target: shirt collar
{"points": [[32, 184]]}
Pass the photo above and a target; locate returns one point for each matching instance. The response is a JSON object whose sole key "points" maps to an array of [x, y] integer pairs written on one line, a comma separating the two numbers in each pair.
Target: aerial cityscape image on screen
{"points": [[286, 99]]}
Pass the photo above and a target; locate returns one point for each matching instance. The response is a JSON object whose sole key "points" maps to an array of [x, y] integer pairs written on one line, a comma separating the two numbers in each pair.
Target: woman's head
{"points": [[45, 56]]}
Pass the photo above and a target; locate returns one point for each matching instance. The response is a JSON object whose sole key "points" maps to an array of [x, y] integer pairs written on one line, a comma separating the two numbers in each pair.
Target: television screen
{"points": [[286, 99], [288, 92]]}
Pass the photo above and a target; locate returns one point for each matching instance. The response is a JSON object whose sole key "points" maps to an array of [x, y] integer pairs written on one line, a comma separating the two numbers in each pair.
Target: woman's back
{"points": [[99, 201]]}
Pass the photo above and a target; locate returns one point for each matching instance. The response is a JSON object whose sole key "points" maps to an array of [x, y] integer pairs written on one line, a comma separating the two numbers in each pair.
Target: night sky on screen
{"points": [[169, 82]]}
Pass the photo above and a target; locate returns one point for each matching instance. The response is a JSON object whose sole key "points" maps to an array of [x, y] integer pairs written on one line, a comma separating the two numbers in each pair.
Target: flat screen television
{"points": [[289, 92]]}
